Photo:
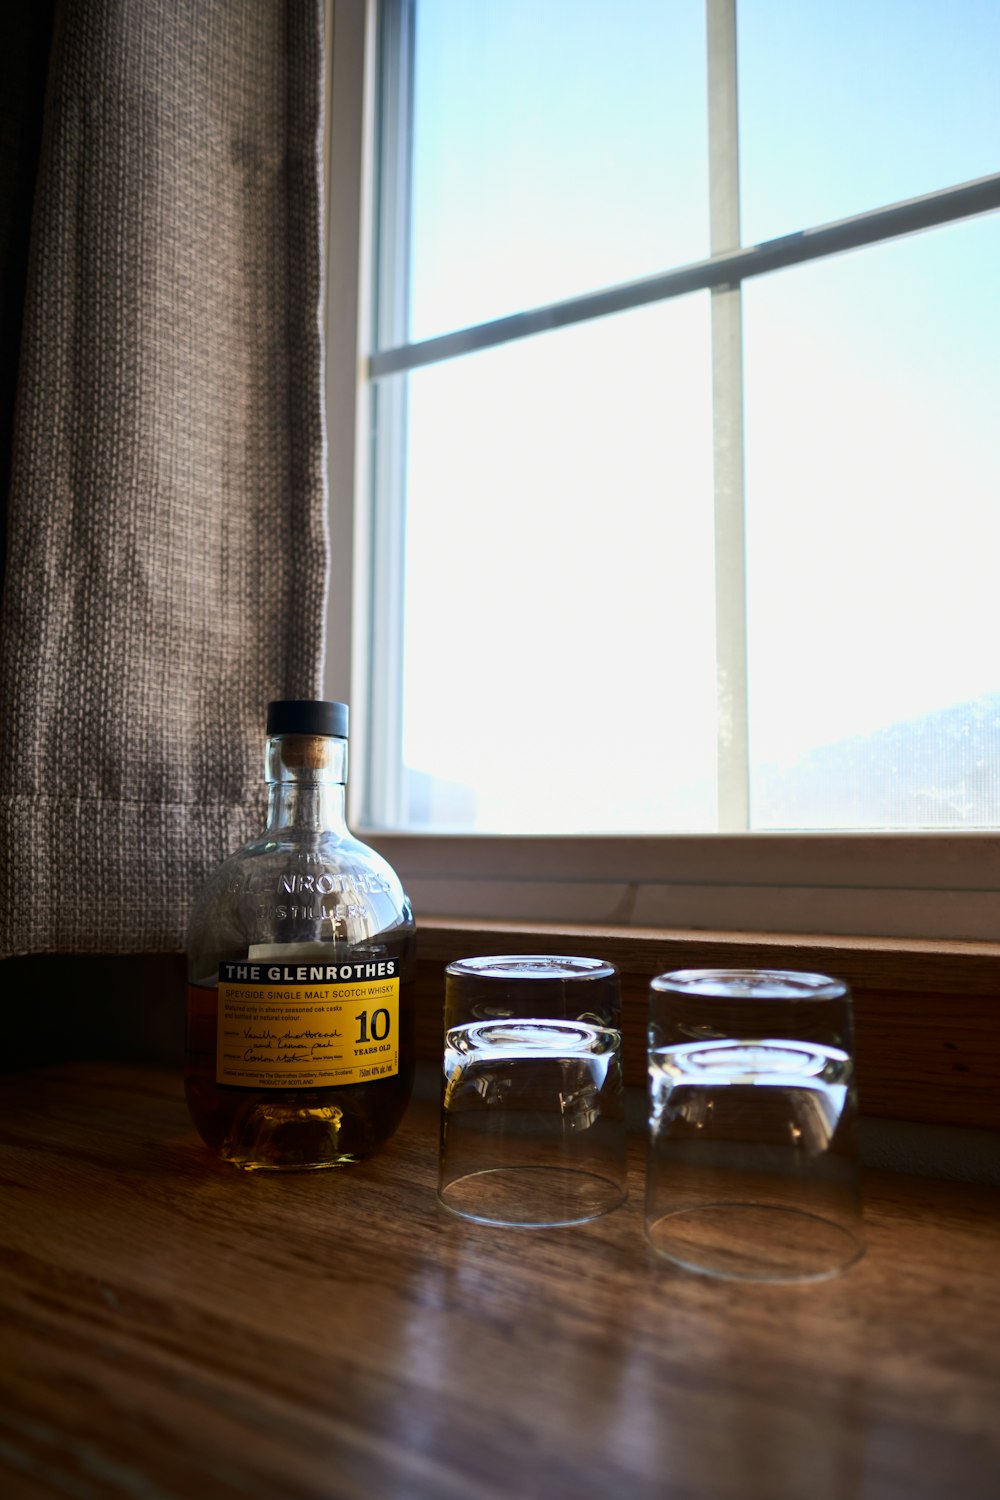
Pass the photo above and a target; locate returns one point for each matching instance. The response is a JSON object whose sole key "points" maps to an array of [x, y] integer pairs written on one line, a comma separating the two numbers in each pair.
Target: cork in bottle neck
{"points": [[306, 757]]}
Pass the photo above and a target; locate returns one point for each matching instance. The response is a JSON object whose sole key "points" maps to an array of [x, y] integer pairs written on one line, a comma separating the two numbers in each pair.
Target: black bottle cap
{"points": [[307, 716]]}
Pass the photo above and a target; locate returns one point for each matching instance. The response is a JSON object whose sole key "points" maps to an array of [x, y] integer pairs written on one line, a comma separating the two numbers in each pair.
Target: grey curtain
{"points": [[166, 545]]}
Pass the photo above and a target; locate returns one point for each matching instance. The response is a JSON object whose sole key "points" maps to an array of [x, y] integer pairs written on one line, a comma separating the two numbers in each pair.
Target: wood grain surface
{"points": [[173, 1329]]}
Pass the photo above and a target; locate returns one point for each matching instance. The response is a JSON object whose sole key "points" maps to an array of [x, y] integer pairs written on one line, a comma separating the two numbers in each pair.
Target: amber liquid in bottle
{"points": [[301, 1128], [281, 940]]}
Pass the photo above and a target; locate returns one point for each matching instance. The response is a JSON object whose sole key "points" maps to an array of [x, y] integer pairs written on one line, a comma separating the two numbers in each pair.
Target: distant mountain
{"points": [[938, 771]]}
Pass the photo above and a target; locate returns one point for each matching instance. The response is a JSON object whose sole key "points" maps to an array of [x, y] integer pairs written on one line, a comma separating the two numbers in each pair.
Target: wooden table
{"points": [[174, 1329]]}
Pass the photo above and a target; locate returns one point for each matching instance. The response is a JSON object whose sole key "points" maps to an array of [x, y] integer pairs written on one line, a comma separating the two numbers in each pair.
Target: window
{"points": [[666, 502]]}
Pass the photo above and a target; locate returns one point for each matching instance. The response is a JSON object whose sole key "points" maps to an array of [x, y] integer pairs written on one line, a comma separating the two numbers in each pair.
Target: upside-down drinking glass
{"points": [[532, 1102], [752, 1168]]}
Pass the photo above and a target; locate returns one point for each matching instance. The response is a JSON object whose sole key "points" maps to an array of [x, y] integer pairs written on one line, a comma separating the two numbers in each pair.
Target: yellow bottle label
{"points": [[307, 1025]]}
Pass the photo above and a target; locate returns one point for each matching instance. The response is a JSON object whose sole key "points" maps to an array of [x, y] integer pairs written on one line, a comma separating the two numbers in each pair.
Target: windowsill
{"points": [[927, 1012]]}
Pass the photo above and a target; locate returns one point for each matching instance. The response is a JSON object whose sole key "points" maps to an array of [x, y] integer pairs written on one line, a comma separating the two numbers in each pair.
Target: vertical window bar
{"points": [[727, 404], [347, 140], [385, 791]]}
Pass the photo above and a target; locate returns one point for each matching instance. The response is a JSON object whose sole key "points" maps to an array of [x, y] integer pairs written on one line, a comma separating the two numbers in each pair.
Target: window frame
{"points": [[938, 885]]}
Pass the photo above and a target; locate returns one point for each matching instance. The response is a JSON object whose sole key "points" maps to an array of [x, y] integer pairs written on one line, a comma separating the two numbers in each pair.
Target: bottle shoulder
{"points": [[293, 887], [291, 848]]}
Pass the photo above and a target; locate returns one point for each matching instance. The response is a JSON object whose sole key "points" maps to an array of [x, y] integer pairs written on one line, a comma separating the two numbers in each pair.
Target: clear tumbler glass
{"points": [[752, 1167], [532, 1102]]}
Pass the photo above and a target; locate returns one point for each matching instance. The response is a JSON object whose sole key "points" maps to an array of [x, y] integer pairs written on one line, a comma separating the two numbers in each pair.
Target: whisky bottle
{"points": [[300, 952]]}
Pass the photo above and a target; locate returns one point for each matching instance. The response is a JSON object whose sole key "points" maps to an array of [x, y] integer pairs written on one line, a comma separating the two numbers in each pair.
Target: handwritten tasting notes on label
{"points": [[281, 1027]]}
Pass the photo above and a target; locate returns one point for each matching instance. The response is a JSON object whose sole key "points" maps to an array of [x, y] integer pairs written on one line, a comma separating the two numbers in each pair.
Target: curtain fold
{"points": [[167, 546]]}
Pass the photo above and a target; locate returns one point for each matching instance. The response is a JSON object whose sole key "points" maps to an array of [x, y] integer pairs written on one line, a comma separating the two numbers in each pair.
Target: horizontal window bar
{"points": [[947, 205], [935, 859]]}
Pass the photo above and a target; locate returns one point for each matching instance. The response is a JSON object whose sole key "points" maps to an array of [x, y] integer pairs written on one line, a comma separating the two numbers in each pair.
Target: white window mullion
{"points": [[384, 789], [348, 152], [727, 405]]}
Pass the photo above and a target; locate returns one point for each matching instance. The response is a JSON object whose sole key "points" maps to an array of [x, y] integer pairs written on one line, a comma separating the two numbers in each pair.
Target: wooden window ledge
{"points": [[927, 1014]]}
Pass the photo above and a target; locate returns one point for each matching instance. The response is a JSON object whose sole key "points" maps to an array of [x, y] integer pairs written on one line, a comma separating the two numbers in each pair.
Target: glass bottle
{"points": [[300, 955]]}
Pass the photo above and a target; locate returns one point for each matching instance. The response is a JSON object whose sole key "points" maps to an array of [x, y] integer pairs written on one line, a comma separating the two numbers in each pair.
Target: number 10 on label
{"points": [[373, 1026]]}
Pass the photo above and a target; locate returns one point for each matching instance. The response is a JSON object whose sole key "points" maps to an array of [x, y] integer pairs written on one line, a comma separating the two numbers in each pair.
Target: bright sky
{"points": [[559, 611]]}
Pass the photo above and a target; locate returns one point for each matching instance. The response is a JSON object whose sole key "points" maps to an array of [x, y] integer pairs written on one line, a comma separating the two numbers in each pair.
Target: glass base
{"points": [[755, 1242], [531, 1197]]}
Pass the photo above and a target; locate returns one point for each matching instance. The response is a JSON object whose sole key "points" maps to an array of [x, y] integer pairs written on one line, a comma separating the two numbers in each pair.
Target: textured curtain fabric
{"points": [[166, 555]]}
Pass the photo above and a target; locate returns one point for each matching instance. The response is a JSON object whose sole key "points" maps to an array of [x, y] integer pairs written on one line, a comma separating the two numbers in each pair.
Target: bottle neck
{"points": [[306, 776]]}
